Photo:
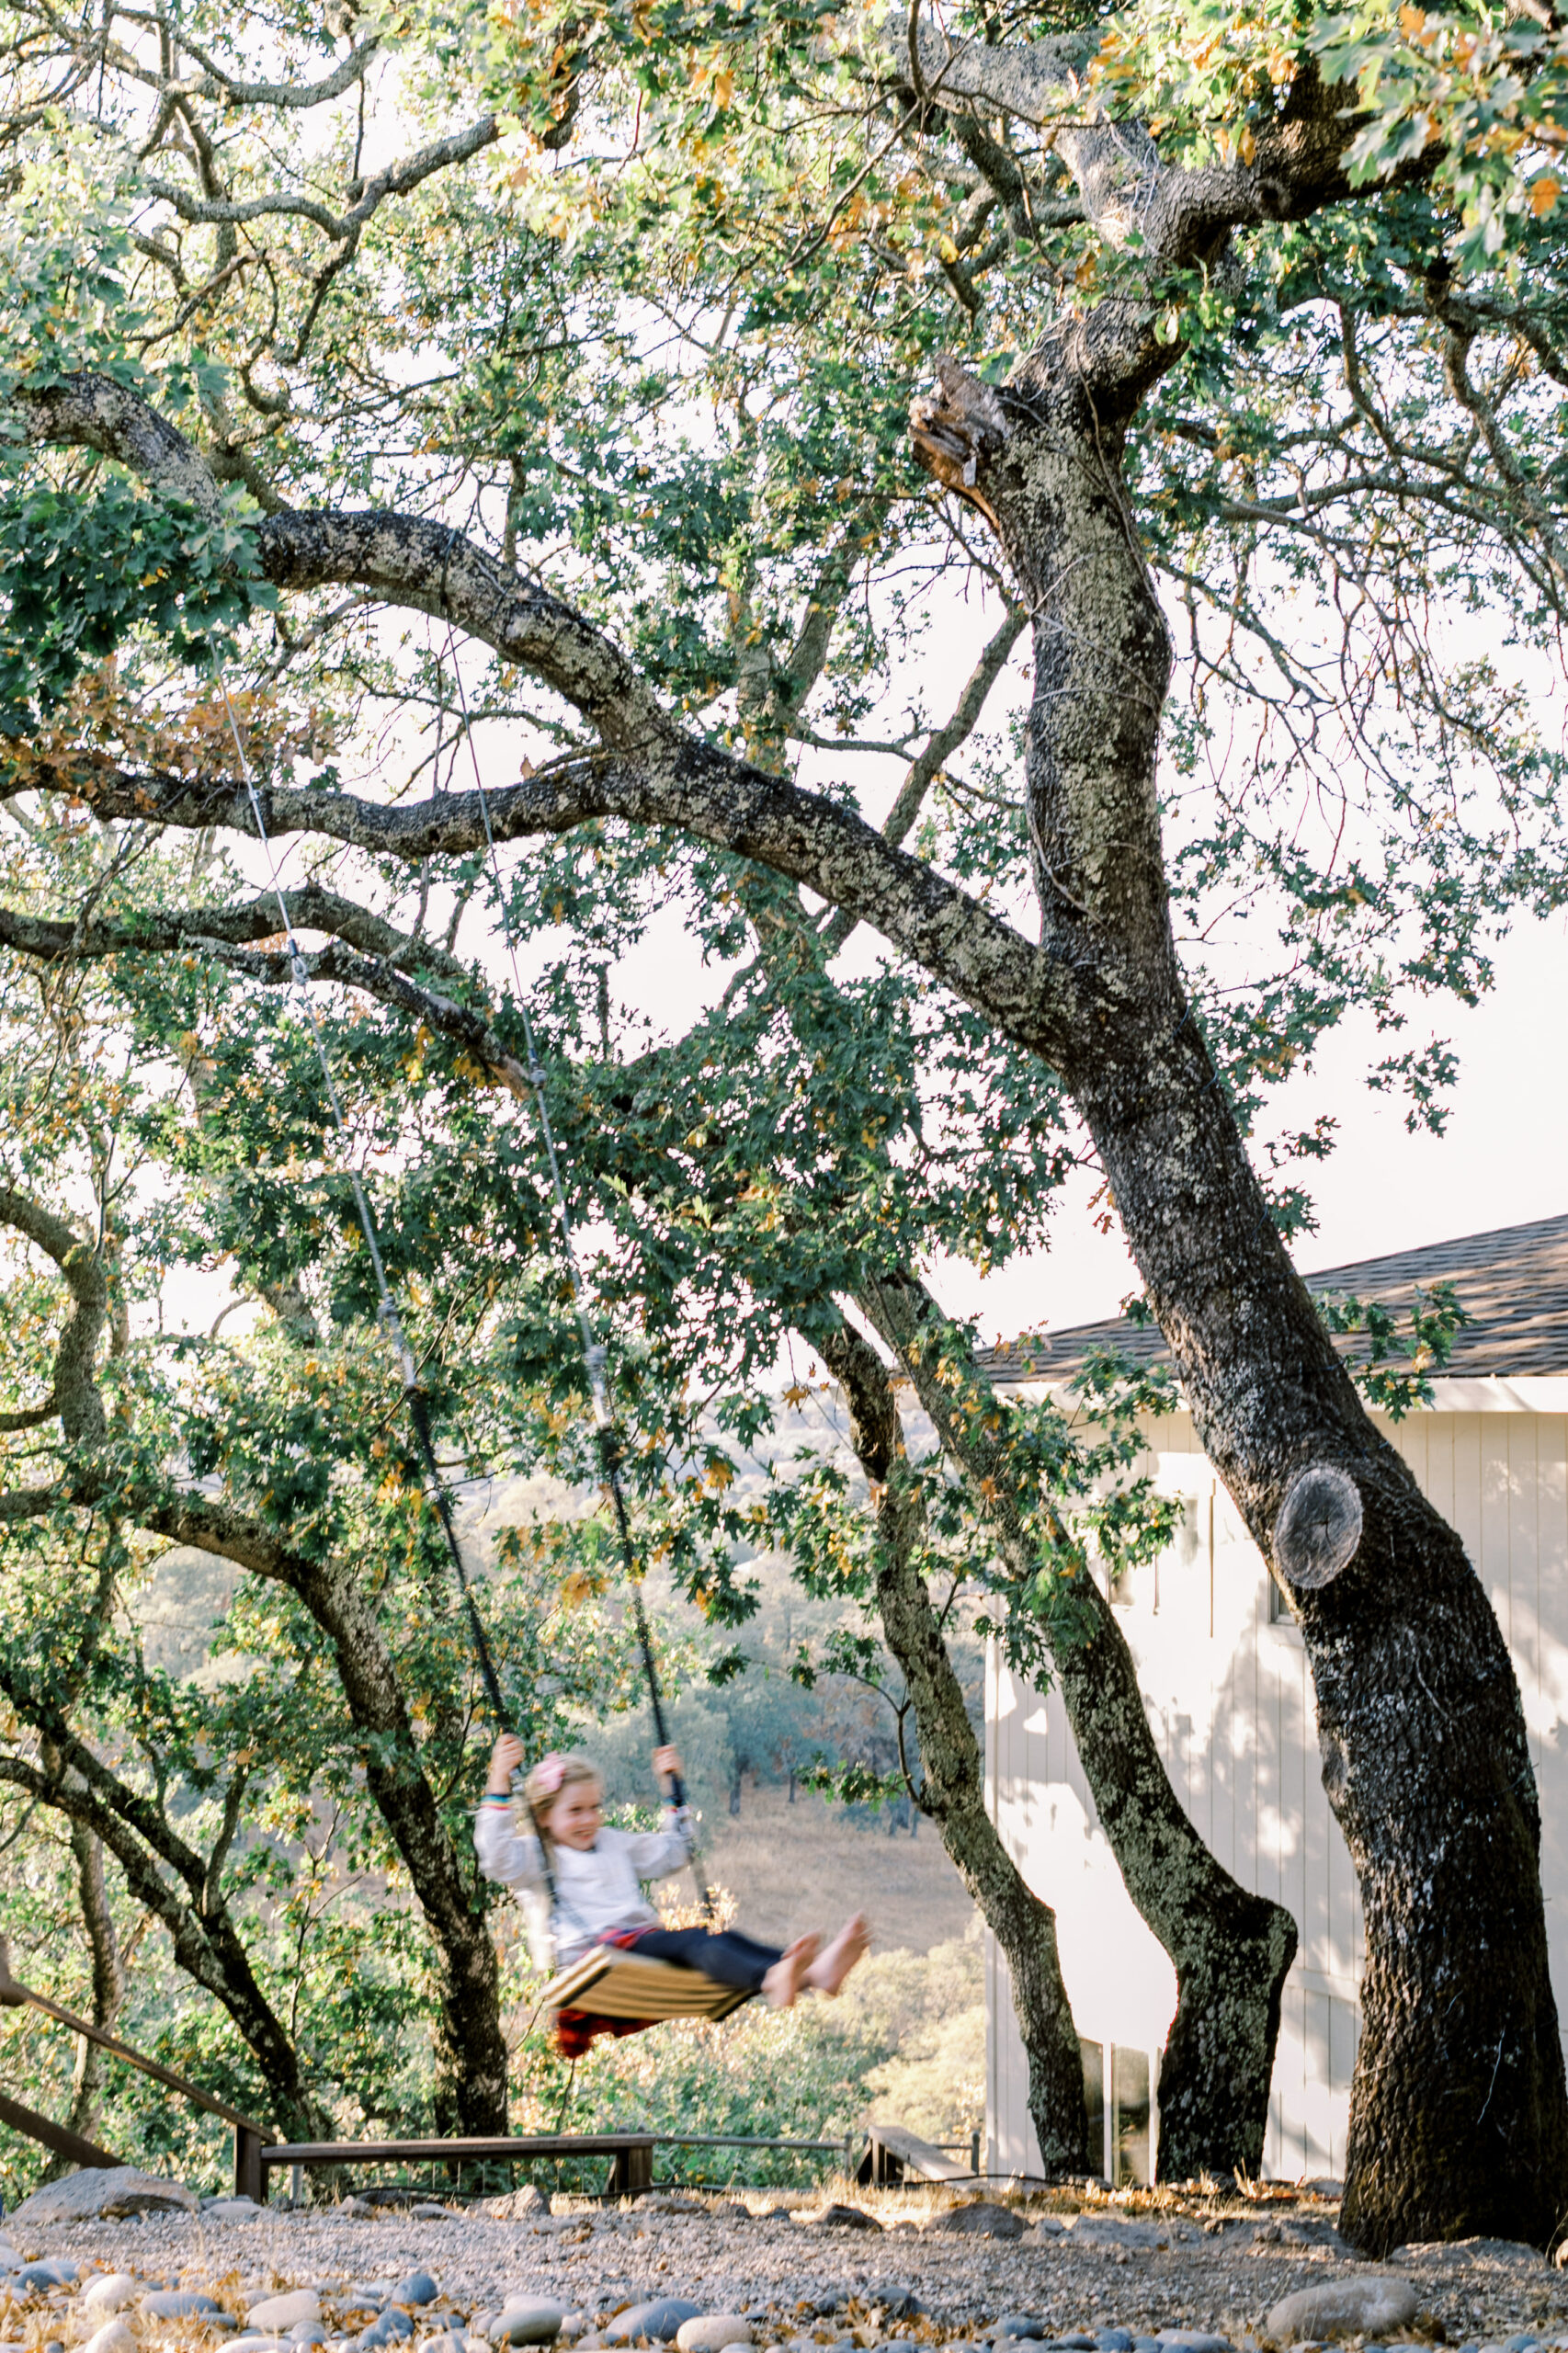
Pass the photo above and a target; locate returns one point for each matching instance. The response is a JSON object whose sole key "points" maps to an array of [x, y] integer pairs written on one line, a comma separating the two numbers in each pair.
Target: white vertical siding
{"points": [[1229, 1701]]}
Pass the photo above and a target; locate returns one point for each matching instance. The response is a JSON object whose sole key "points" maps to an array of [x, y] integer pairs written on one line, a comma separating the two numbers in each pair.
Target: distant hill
{"points": [[804, 1866]]}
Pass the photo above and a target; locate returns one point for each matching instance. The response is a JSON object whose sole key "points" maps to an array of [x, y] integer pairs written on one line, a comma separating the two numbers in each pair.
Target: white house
{"points": [[1224, 1676]]}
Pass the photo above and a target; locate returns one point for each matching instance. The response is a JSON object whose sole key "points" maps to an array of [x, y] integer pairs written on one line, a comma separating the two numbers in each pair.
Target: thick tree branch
{"points": [[651, 772], [73, 1393]]}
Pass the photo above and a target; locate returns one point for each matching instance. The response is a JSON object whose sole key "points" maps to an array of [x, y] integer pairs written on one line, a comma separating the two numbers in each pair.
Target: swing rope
{"points": [[605, 1432]]}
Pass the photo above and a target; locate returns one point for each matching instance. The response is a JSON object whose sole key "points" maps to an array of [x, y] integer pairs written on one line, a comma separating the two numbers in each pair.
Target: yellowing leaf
{"points": [[1412, 22], [1544, 193]]}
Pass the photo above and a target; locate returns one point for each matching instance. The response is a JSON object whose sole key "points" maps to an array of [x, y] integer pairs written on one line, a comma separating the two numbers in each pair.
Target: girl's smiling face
{"points": [[577, 1816]]}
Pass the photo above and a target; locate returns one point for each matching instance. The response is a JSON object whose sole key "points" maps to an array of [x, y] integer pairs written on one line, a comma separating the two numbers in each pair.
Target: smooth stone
{"points": [[307, 2332], [528, 2320], [1114, 2340], [1343, 2308], [1194, 2340], [393, 2323], [1019, 2325], [712, 2332], [113, 2337], [109, 2292], [1076, 2344], [660, 2321], [34, 2276], [980, 2218], [451, 2342], [104, 2193], [277, 2314], [1115, 2230], [418, 2288], [1520, 2344], [179, 2303], [354, 2206], [232, 2210]]}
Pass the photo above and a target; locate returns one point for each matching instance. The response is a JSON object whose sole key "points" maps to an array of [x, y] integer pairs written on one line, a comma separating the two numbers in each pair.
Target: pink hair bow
{"points": [[549, 1774]]}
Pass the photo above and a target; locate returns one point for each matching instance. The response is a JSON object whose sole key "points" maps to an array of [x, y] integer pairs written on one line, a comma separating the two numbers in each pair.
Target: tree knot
{"points": [[1319, 1526], [956, 429]]}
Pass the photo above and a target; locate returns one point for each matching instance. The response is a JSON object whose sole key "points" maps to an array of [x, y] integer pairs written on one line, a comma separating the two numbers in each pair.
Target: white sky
{"points": [[1502, 1160]]}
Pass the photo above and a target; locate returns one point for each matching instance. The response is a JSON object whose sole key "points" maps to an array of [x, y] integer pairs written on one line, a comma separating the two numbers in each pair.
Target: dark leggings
{"points": [[728, 1957]]}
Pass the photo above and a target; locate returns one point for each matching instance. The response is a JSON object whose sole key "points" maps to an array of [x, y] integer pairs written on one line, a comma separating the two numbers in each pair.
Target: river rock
{"points": [[528, 2320], [1343, 2308], [1020, 2325], [980, 2218], [109, 2292], [113, 2337], [181, 2304], [418, 2288], [103, 2193], [34, 2277], [1192, 2340], [232, 2209], [393, 2324], [660, 2321], [275, 2316], [711, 2331], [840, 2218], [1117, 2230]]}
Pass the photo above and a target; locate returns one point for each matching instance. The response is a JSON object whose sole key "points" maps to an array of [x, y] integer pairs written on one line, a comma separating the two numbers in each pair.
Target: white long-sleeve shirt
{"points": [[597, 1889]]}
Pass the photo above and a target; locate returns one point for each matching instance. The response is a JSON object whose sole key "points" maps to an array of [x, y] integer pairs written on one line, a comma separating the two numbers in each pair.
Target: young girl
{"points": [[597, 1873]]}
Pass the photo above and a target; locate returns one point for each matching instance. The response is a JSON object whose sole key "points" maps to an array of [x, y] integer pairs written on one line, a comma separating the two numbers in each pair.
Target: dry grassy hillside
{"points": [[792, 1868]]}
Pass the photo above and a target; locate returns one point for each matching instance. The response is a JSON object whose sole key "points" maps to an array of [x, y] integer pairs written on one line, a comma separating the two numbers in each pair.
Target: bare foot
{"points": [[830, 1969], [792, 1969]]}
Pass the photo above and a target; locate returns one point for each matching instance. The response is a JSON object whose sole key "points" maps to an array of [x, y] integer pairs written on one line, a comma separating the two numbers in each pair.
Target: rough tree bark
{"points": [[107, 1989], [1460, 2120], [1231, 1951], [953, 1790]]}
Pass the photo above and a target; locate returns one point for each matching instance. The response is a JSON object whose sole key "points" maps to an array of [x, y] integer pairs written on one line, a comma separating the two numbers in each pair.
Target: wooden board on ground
{"points": [[895, 2155]]}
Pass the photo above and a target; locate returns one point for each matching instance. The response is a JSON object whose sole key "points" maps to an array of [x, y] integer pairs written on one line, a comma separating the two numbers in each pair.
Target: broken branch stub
{"points": [[956, 429], [1319, 1526]]}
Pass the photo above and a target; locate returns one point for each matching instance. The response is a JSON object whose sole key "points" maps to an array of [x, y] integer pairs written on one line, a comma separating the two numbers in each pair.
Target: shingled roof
{"points": [[1513, 1285]]}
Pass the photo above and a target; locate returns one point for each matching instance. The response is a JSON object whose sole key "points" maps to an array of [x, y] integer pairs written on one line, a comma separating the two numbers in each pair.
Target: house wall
{"points": [[1226, 1679]]}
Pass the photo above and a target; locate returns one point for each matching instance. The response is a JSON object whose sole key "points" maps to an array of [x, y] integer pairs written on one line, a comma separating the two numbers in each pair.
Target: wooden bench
{"points": [[893, 2151], [631, 2155]]}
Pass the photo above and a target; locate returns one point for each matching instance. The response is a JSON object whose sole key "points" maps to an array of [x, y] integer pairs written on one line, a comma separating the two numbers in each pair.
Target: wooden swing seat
{"points": [[611, 1983]]}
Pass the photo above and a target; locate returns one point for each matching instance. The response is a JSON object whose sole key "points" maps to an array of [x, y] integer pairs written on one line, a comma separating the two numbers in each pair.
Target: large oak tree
{"points": [[610, 315]]}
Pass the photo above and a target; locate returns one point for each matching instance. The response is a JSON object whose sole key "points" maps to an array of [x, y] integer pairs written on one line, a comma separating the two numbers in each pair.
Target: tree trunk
{"points": [[1231, 1951], [952, 1792], [471, 2050], [109, 1990], [1460, 2113]]}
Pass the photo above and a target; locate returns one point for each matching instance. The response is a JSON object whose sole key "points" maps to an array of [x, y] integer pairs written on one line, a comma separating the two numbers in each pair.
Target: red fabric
{"points": [[577, 2030]]}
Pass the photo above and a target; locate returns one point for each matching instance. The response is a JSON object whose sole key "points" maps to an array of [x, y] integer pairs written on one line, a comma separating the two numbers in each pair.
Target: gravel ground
{"points": [[1141, 2264]]}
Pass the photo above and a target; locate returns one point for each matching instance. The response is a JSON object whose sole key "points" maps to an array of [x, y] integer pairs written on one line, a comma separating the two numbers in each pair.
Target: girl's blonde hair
{"points": [[550, 1778]]}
